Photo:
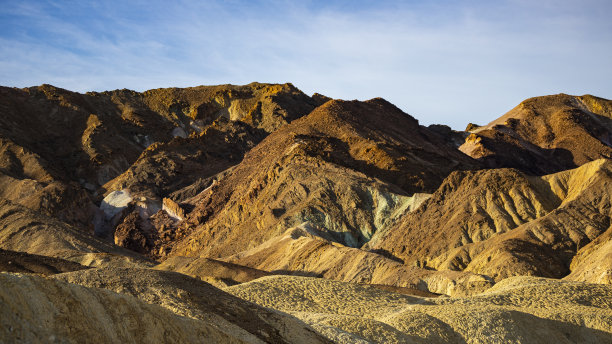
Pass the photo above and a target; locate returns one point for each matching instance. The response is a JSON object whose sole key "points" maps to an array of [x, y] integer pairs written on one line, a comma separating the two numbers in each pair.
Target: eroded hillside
{"points": [[313, 219], [545, 134], [349, 169]]}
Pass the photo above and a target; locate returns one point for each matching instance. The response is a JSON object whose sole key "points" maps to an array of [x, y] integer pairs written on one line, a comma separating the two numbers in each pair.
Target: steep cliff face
{"points": [[348, 168], [545, 135]]}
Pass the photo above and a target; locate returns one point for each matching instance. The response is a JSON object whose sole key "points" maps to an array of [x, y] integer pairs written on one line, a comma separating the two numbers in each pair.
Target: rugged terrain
{"points": [[258, 213], [349, 169], [503, 223]]}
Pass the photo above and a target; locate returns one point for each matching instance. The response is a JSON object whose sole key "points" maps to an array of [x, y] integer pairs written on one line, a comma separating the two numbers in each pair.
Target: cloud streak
{"points": [[443, 62]]}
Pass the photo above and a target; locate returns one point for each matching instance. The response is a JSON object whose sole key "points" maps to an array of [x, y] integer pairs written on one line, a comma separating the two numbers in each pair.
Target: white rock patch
{"points": [[115, 202]]}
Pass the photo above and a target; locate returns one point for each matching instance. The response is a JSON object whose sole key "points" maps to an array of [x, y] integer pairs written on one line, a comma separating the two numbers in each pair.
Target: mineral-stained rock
{"points": [[147, 235], [131, 234], [349, 168], [173, 209]]}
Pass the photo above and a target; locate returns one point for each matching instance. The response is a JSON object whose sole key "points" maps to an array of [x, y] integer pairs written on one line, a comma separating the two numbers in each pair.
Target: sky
{"points": [[447, 62]]}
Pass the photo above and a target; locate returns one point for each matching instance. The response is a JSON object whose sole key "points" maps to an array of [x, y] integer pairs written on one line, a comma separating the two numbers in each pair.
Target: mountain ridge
{"points": [[257, 213]]}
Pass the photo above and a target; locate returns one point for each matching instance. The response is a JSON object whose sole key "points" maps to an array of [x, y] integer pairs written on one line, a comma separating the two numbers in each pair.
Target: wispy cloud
{"points": [[444, 62]]}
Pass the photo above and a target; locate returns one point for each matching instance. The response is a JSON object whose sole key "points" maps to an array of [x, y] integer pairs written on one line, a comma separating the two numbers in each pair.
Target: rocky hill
{"points": [[348, 168], [545, 134], [257, 213], [59, 148], [518, 226]]}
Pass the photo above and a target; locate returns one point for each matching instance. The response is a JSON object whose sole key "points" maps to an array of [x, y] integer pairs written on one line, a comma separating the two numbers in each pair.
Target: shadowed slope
{"points": [[12, 261], [215, 272]]}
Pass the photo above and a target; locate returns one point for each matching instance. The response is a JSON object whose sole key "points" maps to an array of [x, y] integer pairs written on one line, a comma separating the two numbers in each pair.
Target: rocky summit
{"points": [[260, 214]]}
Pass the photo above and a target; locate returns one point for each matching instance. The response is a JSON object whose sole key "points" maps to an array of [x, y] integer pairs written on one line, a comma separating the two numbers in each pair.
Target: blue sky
{"points": [[449, 62]]}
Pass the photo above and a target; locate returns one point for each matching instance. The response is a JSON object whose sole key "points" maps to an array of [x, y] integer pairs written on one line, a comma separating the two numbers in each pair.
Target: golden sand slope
{"points": [[190, 297], [516, 310], [593, 263], [39, 310]]}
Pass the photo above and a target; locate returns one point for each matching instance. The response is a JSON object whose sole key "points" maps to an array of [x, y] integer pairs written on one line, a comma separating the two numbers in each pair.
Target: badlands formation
{"points": [[259, 214]]}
